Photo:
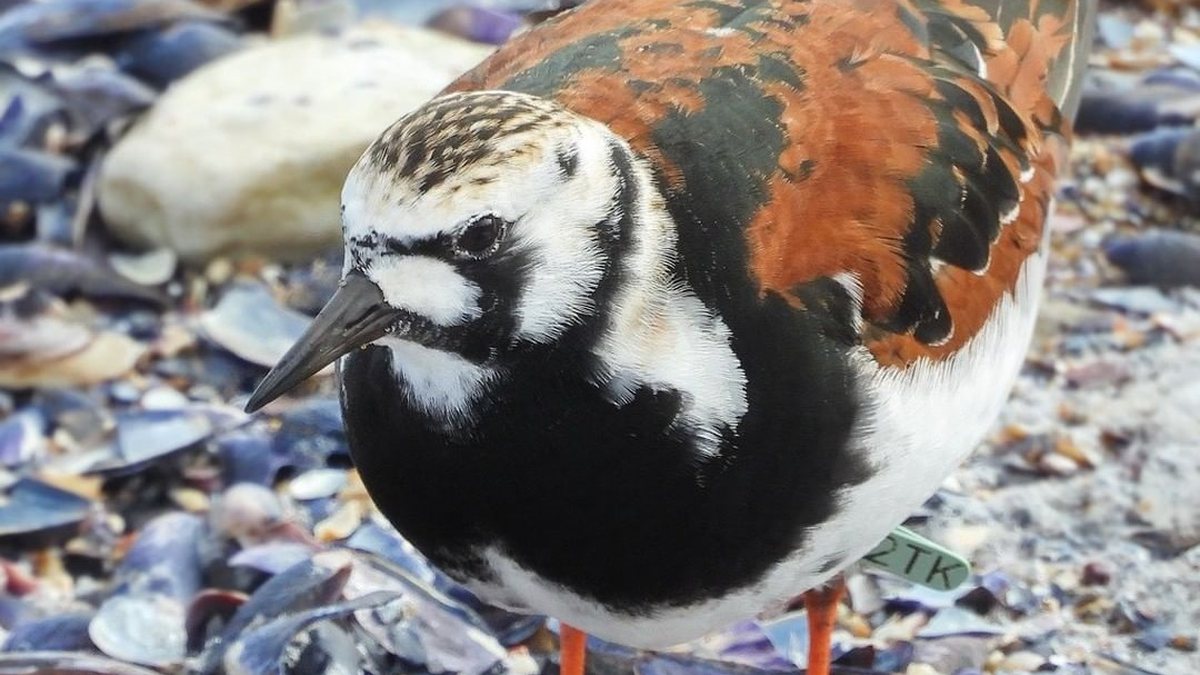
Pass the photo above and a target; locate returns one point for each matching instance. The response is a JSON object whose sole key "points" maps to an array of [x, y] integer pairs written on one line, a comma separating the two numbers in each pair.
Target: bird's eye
{"points": [[481, 237]]}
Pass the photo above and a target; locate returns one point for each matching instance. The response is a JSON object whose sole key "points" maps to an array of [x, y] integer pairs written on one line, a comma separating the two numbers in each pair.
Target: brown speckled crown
{"points": [[458, 131]]}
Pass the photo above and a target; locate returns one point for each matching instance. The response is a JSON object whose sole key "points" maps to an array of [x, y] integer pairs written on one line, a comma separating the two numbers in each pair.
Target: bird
{"points": [[670, 310]]}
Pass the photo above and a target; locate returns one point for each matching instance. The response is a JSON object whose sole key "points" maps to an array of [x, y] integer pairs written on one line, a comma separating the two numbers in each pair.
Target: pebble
{"points": [[164, 398], [191, 499], [1094, 609], [1055, 464], [1020, 662], [1096, 573], [901, 628], [858, 626], [219, 271], [1099, 373], [1183, 643], [317, 484], [341, 523], [248, 154], [246, 512]]}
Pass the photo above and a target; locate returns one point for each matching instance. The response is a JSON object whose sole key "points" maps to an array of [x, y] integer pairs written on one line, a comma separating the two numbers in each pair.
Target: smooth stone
{"points": [[248, 153], [317, 484]]}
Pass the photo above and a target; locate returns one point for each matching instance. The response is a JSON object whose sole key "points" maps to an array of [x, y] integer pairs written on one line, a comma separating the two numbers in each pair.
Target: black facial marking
{"points": [[568, 162], [616, 233]]}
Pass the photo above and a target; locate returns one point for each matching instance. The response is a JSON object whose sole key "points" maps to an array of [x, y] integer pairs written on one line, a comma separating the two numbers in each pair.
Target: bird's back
{"points": [[906, 150]]}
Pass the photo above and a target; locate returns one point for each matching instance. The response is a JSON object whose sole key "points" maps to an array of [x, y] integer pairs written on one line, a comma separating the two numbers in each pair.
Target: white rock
{"points": [[248, 153]]}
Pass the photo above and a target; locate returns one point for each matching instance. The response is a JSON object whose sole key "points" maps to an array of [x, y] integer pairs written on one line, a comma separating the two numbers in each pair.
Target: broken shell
{"points": [[147, 629], [272, 558], [265, 649], [146, 269], [311, 583], [341, 523], [32, 176], [22, 438], [252, 325], [246, 512]]}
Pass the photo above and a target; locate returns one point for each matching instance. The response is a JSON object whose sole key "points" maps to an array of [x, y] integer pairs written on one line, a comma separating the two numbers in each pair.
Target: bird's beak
{"points": [[356, 315]]}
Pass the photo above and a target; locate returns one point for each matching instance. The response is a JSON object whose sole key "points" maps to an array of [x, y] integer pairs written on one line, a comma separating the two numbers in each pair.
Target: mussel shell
{"points": [[478, 24], [29, 109], [66, 663], [208, 613], [22, 438], [96, 95], [382, 540], [151, 435], [32, 507], [32, 176], [311, 583], [264, 649], [162, 56], [250, 324], [64, 632], [51, 21], [426, 626], [1169, 159], [1161, 258], [144, 628], [63, 272], [272, 558], [246, 457], [1114, 104], [165, 558]]}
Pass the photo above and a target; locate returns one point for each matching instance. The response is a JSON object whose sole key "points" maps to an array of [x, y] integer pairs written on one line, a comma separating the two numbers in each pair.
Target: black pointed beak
{"points": [[356, 315]]}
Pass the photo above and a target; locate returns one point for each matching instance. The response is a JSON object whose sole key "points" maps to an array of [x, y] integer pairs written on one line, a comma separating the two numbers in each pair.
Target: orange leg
{"points": [[573, 648], [822, 605]]}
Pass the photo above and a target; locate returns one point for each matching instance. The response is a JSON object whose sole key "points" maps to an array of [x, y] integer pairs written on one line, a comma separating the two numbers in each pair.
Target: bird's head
{"points": [[478, 225]]}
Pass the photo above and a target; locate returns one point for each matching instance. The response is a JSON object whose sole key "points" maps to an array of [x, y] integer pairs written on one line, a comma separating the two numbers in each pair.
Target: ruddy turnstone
{"points": [[672, 309]]}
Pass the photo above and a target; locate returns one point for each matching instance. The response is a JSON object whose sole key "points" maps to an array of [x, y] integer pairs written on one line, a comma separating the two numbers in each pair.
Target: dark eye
{"points": [[481, 238]]}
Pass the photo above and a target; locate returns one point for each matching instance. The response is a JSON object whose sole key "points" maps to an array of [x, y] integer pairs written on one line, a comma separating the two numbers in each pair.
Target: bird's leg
{"points": [[822, 605], [572, 650]]}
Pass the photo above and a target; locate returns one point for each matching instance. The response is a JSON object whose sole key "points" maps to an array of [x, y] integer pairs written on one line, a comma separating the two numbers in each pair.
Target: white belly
{"points": [[926, 419]]}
